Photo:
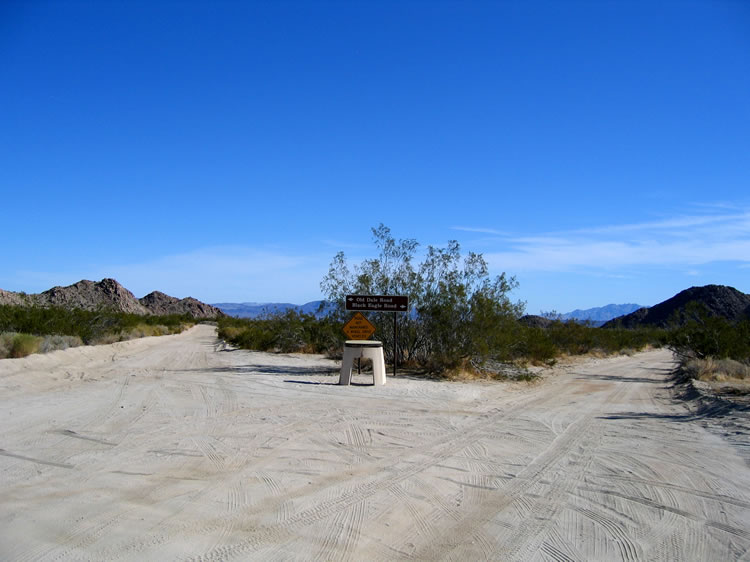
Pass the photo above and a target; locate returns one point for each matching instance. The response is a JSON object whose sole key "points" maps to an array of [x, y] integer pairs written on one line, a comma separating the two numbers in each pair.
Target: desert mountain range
{"points": [[601, 314], [718, 300], [108, 293], [261, 309]]}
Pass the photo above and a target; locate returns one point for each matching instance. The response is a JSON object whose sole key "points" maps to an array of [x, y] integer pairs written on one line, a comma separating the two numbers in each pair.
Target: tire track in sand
{"points": [[528, 538], [384, 474]]}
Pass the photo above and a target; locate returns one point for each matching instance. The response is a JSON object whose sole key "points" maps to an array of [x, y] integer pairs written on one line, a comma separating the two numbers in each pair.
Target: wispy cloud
{"points": [[480, 230], [676, 225], [684, 241], [231, 273], [214, 274]]}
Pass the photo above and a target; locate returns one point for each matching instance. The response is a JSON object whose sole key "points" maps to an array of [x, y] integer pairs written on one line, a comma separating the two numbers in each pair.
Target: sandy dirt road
{"points": [[165, 448]]}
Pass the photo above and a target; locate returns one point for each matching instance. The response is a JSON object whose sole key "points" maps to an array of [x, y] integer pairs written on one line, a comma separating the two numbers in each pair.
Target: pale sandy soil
{"points": [[164, 448]]}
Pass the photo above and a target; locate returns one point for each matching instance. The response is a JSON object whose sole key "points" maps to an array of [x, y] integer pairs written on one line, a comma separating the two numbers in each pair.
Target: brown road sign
{"points": [[359, 327], [379, 303]]}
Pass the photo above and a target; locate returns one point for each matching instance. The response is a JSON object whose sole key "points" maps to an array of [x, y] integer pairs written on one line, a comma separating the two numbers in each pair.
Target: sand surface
{"points": [[169, 449]]}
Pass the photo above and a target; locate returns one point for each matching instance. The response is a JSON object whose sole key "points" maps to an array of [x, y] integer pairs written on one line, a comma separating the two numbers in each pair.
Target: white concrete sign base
{"points": [[363, 348]]}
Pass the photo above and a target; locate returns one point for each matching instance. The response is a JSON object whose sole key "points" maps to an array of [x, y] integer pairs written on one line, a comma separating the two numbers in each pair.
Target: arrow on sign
{"points": [[379, 303]]}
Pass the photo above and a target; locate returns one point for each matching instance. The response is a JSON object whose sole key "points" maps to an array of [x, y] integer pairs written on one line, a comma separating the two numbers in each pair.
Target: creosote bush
{"points": [[512, 342], [39, 329], [286, 333], [457, 311], [703, 336], [15, 345], [6, 340], [711, 348]]}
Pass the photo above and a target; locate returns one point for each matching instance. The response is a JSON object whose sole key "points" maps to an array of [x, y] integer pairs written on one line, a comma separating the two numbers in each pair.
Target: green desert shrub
{"points": [[286, 332], [536, 345], [82, 326], [457, 312], [704, 336], [23, 344], [56, 343], [486, 339], [6, 338], [543, 345]]}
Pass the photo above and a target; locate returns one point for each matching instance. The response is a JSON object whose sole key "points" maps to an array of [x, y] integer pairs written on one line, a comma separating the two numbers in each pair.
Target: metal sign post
{"points": [[381, 303], [395, 345]]}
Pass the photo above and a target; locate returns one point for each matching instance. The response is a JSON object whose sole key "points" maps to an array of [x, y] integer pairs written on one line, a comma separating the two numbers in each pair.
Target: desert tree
{"points": [[456, 309]]}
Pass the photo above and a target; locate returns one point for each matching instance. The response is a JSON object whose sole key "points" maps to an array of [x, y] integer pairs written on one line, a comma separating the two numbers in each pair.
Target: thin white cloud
{"points": [[719, 205], [667, 224], [480, 230], [216, 274], [231, 274], [684, 241]]}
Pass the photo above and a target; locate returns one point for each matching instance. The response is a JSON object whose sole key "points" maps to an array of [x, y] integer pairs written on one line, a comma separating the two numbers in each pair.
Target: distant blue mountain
{"points": [[601, 314], [596, 316], [258, 309]]}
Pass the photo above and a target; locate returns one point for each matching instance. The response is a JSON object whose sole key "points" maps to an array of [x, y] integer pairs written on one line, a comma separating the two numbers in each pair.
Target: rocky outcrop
{"points": [[109, 294], [90, 295], [718, 300], [161, 304], [13, 299]]}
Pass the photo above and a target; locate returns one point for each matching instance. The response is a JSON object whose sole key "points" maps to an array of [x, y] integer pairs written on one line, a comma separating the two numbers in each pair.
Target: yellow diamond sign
{"points": [[359, 327]]}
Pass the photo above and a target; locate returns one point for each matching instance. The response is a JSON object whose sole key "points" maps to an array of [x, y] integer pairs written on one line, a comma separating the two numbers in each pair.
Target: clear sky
{"points": [[599, 151]]}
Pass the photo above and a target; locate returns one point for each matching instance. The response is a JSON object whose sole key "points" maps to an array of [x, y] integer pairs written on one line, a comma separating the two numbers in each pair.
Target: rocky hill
{"points": [[108, 293], [90, 295], [159, 303], [535, 321], [719, 300], [13, 299]]}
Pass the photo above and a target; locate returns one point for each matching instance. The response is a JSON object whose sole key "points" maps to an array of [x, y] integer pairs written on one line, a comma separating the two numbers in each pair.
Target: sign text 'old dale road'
{"points": [[379, 303]]}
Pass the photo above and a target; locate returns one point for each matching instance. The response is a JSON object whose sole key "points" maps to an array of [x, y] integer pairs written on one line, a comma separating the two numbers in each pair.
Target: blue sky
{"points": [[598, 151]]}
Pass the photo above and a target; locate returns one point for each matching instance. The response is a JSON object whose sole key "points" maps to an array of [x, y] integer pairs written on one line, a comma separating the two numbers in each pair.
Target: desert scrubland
{"points": [[172, 448]]}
